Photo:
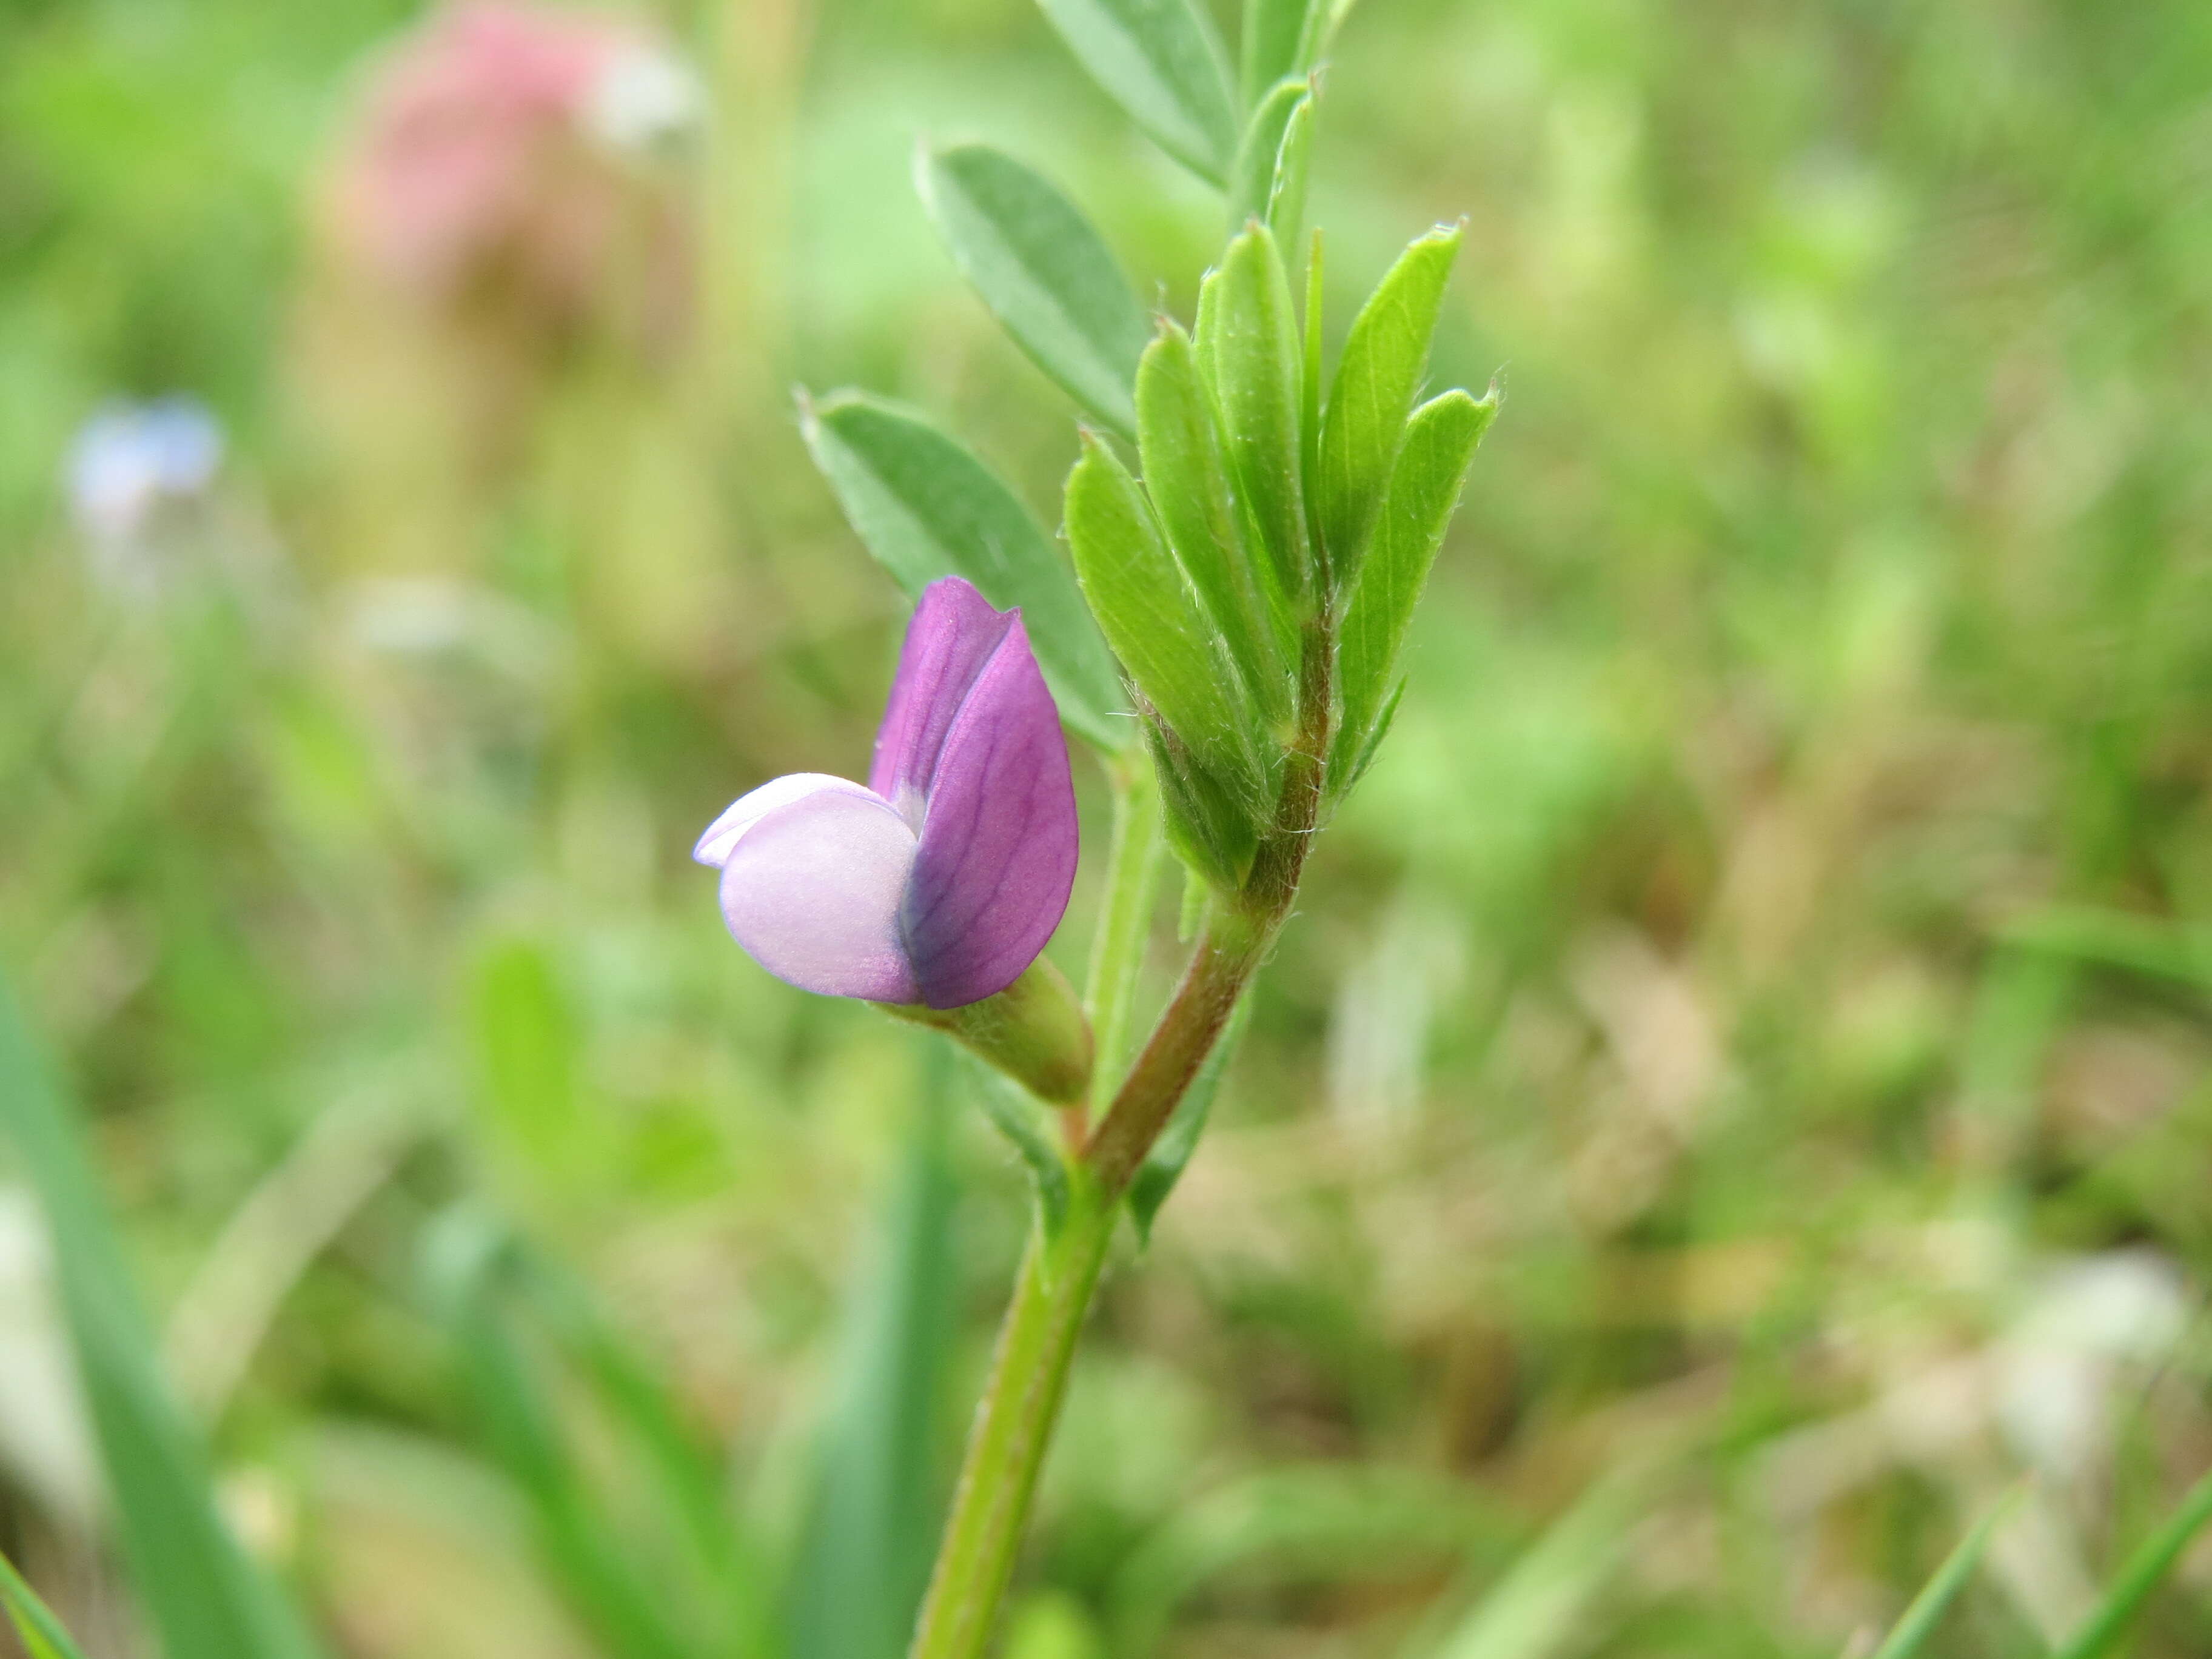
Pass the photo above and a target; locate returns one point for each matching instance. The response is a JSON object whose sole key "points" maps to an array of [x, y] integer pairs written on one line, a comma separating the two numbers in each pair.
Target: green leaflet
{"points": [[1249, 344], [1256, 175], [1187, 478], [1912, 1631], [1171, 1155], [927, 507], [1280, 37], [204, 1595], [1155, 625], [1384, 357], [1424, 486], [1159, 59], [864, 1557], [1043, 271], [42, 1635]]}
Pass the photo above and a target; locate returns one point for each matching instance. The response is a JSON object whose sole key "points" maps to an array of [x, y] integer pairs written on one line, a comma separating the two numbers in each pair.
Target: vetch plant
{"points": [[1249, 537]]}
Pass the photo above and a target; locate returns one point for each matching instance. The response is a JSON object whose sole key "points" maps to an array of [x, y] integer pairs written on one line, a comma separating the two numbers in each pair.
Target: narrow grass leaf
{"points": [[1424, 490], [1331, 1521], [927, 507], [1254, 353], [1044, 272], [480, 1285], [1926, 1613], [2145, 1570], [205, 1595], [1278, 35], [1187, 475], [1154, 621], [1171, 1155], [41, 1633], [1533, 1611], [1160, 60], [865, 1560], [1385, 356]]}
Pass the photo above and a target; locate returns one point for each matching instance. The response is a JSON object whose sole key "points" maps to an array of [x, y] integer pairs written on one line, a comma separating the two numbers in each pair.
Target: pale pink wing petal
{"points": [[812, 885]]}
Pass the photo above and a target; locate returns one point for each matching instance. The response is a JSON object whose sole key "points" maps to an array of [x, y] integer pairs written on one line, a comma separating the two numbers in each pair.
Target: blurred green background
{"points": [[1735, 1095]]}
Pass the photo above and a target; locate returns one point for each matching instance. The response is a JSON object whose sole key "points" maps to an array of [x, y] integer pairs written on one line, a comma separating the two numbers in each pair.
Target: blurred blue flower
{"points": [[134, 465]]}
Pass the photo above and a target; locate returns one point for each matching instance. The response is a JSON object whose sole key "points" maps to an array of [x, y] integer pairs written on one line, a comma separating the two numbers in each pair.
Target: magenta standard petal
{"points": [[953, 634], [814, 872], [998, 842]]}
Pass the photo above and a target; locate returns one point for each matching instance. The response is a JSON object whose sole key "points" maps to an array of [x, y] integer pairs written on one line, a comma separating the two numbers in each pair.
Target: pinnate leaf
{"points": [[1160, 60], [40, 1632], [1384, 357], [1042, 269], [927, 507]]}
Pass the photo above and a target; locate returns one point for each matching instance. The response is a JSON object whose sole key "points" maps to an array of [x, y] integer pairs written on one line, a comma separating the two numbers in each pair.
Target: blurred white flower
{"points": [[2056, 1368], [644, 99]]}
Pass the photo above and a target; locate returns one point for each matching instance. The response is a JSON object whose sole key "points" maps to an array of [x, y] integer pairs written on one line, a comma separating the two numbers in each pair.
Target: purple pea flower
{"points": [[940, 881]]}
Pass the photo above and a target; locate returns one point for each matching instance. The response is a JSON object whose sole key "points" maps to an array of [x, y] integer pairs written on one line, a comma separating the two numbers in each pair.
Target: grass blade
{"points": [[42, 1634], [1529, 1612], [692, 1594], [1927, 1607], [866, 1561], [203, 1593], [1044, 272], [2146, 1569]]}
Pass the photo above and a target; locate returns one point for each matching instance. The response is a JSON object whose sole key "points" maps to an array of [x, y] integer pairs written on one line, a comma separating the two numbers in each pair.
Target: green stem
{"points": [[1013, 1426], [1124, 914]]}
